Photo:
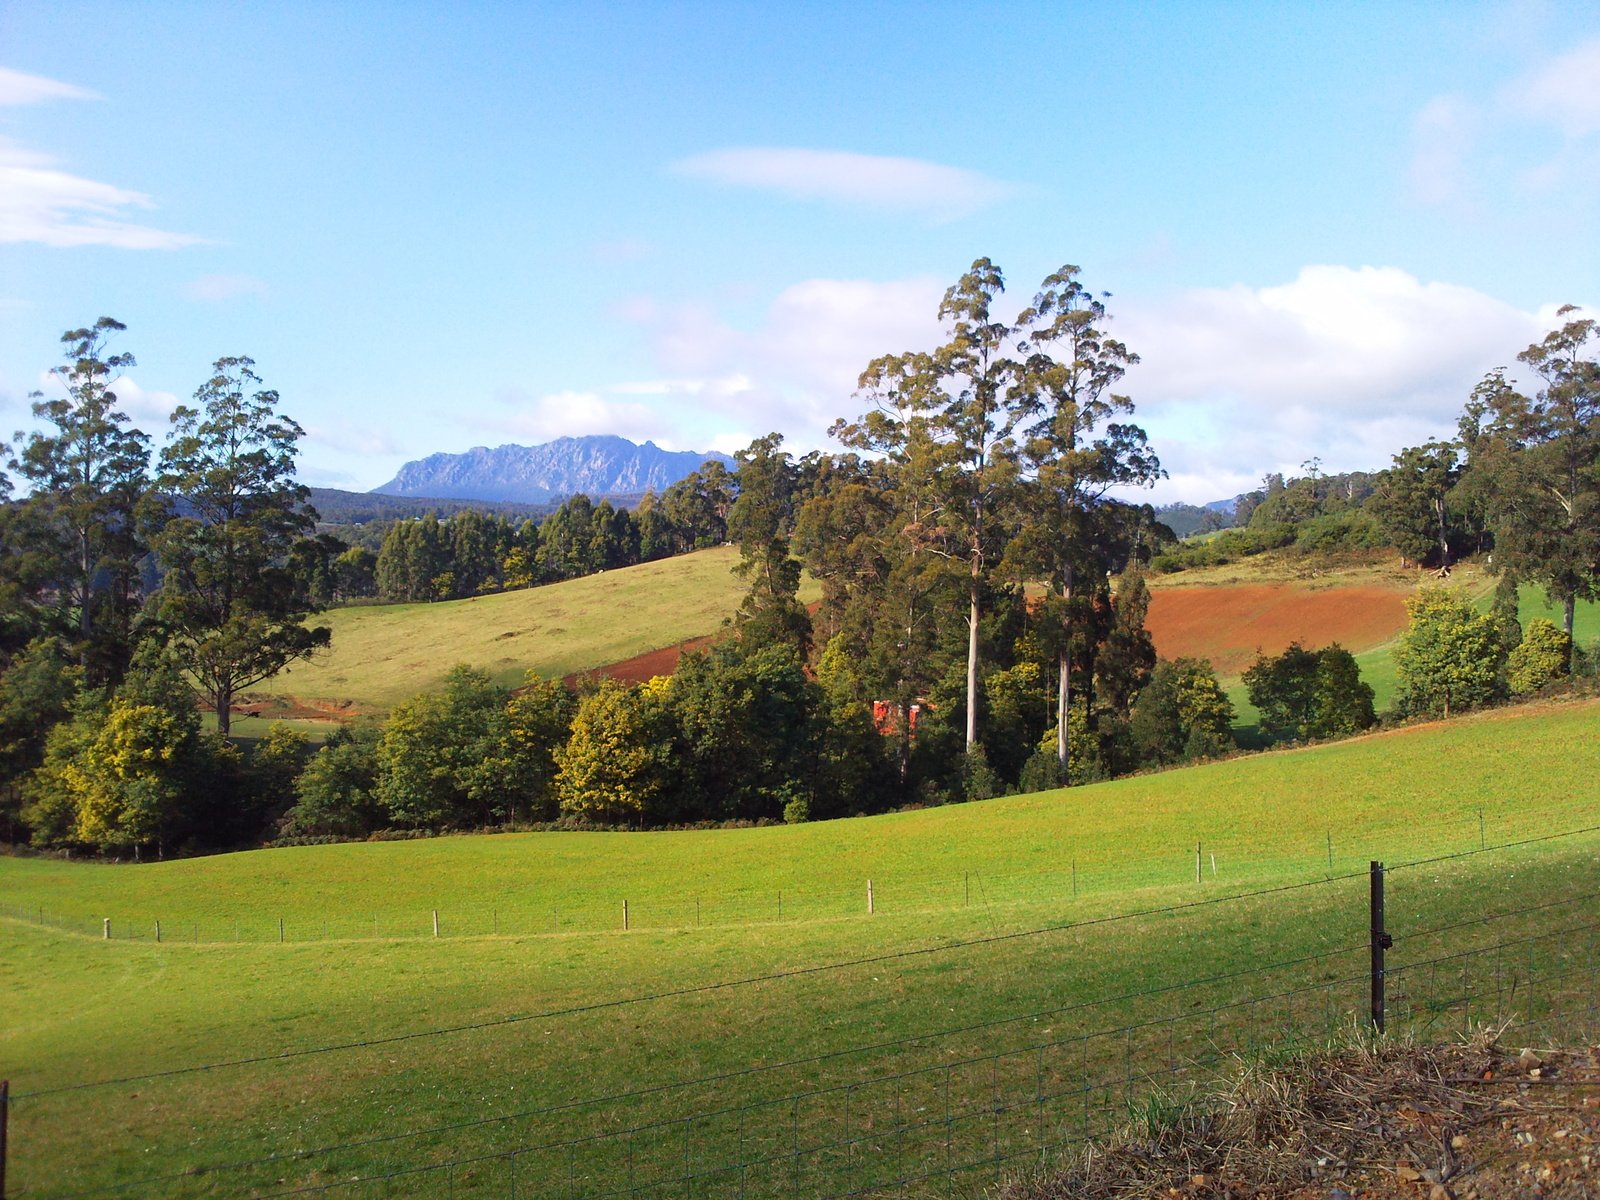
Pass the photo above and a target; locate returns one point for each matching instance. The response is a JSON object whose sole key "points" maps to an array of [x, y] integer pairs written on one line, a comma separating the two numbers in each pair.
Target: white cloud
{"points": [[1442, 134], [796, 369], [151, 411], [212, 289], [40, 203], [327, 477], [1564, 91], [1345, 363], [18, 89], [1460, 145], [573, 414], [1358, 339], [349, 437], [1349, 364], [883, 182]]}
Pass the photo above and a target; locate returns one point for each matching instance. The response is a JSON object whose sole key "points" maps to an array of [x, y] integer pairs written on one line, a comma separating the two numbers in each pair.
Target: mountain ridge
{"points": [[597, 465]]}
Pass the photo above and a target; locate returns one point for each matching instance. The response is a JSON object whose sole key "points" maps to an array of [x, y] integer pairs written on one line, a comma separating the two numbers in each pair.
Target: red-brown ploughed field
{"points": [[647, 665], [1228, 624]]}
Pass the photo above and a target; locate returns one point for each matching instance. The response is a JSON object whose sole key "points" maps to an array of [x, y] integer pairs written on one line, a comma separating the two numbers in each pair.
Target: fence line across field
{"points": [[1522, 974], [793, 973], [887, 893], [976, 1116]]}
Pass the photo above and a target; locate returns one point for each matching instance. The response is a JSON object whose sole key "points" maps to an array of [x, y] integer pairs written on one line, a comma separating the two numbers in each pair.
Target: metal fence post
{"points": [[1381, 941]]}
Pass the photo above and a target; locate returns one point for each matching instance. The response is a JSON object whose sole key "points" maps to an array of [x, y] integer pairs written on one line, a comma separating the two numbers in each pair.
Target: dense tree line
{"points": [[471, 553], [135, 586]]}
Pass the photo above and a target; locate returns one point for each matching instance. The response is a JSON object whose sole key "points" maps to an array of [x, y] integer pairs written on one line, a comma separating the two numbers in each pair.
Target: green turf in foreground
{"points": [[82, 1009]]}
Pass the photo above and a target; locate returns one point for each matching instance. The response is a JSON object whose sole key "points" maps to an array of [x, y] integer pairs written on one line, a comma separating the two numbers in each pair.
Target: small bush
{"points": [[1539, 659]]}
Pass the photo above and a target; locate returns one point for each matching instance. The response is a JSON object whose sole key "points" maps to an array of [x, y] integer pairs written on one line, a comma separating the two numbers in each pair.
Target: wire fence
{"points": [[1221, 859], [959, 1108]]}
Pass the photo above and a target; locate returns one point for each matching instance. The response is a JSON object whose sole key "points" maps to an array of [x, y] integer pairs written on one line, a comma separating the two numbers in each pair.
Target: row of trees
{"points": [[190, 549], [1522, 478], [470, 554], [132, 584]]}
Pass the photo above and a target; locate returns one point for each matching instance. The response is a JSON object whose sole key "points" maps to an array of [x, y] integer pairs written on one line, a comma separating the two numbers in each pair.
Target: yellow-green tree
{"points": [[616, 764], [1450, 656]]}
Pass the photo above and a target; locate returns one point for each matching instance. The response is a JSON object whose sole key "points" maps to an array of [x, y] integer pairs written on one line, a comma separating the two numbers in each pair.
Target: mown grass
{"points": [[1414, 791], [383, 654], [82, 1009]]}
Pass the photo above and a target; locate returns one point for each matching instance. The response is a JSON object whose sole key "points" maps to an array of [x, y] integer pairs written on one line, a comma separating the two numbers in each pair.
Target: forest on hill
{"points": [[981, 627]]}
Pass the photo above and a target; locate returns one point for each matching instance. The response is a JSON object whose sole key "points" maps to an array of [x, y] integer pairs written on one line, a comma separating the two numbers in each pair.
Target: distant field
{"points": [[81, 1009], [1227, 614], [1230, 624], [384, 654]]}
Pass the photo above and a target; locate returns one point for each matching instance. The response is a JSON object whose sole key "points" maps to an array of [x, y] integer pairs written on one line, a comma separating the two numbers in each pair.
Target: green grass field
{"points": [[531, 925], [383, 654]]}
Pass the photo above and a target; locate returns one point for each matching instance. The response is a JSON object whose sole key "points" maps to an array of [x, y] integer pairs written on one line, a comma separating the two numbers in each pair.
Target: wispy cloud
{"points": [[41, 203], [620, 251], [882, 182], [214, 289], [18, 89], [350, 437], [1464, 147], [796, 368], [1442, 133], [1564, 91]]}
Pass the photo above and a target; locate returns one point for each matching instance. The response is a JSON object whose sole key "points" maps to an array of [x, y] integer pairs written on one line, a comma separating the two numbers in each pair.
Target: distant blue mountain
{"points": [[598, 466]]}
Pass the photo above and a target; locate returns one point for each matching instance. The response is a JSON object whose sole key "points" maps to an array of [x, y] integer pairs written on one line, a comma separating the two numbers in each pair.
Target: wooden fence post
{"points": [[1381, 941], [624, 916], [5, 1116], [105, 929], [1197, 862], [436, 922], [158, 931], [869, 897]]}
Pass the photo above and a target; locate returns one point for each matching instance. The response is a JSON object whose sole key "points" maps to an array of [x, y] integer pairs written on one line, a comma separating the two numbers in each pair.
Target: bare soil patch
{"points": [[1229, 624], [644, 666], [1463, 1122]]}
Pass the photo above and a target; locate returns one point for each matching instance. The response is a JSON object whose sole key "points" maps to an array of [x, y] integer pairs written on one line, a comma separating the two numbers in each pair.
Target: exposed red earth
{"points": [[1229, 624]]}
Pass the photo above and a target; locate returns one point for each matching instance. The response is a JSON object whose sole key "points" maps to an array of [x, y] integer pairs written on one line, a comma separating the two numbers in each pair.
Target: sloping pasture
{"points": [[820, 1039]]}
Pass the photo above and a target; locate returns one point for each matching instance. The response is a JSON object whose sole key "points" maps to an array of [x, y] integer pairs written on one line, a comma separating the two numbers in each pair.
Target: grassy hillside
{"points": [[971, 879], [384, 654]]}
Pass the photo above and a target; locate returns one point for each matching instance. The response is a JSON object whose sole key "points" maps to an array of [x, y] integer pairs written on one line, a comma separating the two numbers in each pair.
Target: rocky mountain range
{"points": [[597, 465]]}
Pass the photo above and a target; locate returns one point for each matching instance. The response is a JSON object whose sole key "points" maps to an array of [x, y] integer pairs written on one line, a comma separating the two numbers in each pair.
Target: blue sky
{"points": [[439, 226]]}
